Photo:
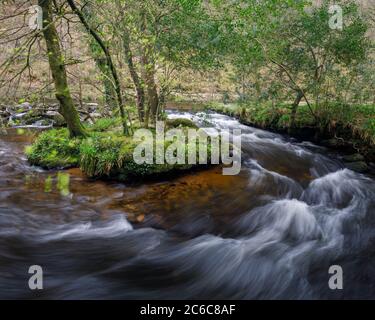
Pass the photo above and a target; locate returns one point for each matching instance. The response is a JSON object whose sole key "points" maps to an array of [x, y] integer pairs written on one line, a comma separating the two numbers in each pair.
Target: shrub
{"points": [[112, 156], [54, 149], [104, 124]]}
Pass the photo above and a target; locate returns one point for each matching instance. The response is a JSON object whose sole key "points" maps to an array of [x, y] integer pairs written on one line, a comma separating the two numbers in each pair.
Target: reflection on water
{"points": [[48, 184], [63, 180], [270, 232], [59, 181]]}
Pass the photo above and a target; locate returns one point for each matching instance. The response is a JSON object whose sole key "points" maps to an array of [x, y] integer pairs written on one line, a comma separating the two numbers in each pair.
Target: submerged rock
{"points": [[358, 166], [354, 158], [331, 143]]}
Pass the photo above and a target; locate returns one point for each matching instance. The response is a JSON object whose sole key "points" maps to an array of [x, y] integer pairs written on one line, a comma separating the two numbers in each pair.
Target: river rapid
{"points": [[270, 232]]}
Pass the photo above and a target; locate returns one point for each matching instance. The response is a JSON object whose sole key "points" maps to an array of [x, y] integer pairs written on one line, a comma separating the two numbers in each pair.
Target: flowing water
{"points": [[270, 232]]}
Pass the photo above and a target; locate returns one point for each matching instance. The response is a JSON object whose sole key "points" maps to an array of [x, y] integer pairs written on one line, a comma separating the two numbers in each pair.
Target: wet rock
{"points": [[354, 158], [91, 107], [358, 166], [332, 143], [180, 122], [57, 118], [4, 114], [95, 115], [371, 154], [19, 110]]}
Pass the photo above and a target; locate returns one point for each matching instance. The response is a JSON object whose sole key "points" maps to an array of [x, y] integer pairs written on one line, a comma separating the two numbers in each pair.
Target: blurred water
{"points": [[270, 232]]}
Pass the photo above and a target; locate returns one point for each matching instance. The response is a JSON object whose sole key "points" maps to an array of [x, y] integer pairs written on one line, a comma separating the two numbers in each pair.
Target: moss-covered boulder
{"points": [[358, 166], [354, 158], [181, 122]]}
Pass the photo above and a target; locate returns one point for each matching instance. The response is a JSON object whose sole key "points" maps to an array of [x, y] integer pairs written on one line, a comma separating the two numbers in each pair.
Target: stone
{"points": [[91, 106], [19, 110], [26, 105], [57, 118], [332, 143], [358, 166], [95, 115], [353, 158]]}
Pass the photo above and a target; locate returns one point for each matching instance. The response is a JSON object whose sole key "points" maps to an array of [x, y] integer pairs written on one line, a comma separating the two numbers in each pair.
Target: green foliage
{"points": [[101, 155], [105, 124], [112, 157], [54, 149]]}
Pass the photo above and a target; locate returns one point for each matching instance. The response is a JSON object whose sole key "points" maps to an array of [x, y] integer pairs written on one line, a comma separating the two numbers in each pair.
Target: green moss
{"points": [[180, 122], [105, 124], [102, 155], [54, 149], [112, 156]]}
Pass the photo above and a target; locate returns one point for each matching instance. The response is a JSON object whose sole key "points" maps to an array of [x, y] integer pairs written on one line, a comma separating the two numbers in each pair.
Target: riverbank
{"points": [[350, 131]]}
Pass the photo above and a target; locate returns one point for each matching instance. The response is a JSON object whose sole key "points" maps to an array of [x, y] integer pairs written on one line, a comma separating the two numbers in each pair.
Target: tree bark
{"points": [[148, 75], [295, 105], [101, 63], [134, 75], [58, 70]]}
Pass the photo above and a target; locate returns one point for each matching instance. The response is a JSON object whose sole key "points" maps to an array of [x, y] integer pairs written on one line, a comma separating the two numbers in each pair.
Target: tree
{"points": [[109, 62], [100, 58], [312, 54], [58, 70], [160, 34]]}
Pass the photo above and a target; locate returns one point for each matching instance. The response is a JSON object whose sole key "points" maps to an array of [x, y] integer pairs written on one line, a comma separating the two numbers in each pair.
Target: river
{"points": [[270, 232]]}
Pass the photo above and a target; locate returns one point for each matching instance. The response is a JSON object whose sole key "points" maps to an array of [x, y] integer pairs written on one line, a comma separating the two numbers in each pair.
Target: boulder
{"points": [[358, 166], [180, 122], [57, 118], [91, 107], [19, 110], [356, 157], [95, 115], [331, 143]]}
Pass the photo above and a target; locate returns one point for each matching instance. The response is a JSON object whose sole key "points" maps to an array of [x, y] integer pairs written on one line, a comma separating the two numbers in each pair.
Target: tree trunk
{"points": [[162, 99], [58, 70], [101, 63], [109, 63], [109, 90], [139, 88], [294, 109], [148, 72]]}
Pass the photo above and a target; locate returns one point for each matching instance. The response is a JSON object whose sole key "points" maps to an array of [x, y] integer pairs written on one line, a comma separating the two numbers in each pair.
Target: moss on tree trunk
{"points": [[58, 70]]}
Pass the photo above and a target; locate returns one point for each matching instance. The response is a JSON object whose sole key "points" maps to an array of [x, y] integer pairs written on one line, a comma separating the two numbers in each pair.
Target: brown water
{"points": [[270, 232]]}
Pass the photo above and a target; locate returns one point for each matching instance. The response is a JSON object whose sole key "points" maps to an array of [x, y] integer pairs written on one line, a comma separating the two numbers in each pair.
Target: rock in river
{"points": [[358, 166]]}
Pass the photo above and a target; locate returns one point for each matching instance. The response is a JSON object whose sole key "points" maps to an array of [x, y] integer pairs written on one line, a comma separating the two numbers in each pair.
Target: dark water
{"points": [[270, 232]]}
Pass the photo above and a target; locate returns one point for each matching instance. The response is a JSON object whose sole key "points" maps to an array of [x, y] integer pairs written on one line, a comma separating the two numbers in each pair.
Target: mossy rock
{"points": [[354, 158], [181, 122], [358, 166]]}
